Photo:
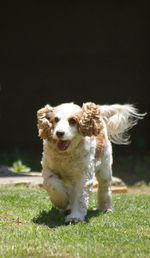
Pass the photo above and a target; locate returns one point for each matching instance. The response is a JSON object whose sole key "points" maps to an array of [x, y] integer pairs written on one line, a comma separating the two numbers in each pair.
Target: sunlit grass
{"points": [[31, 227]]}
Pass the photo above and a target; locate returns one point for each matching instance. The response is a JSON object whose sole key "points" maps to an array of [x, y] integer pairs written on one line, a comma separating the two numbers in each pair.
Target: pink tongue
{"points": [[63, 145]]}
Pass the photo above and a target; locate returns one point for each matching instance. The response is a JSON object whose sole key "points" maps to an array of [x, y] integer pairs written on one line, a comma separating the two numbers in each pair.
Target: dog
{"points": [[77, 146]]}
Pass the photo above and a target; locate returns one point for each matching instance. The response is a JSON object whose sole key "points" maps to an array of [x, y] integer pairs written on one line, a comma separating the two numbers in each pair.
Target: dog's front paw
{"points": [[74, 218], [72, 221]]}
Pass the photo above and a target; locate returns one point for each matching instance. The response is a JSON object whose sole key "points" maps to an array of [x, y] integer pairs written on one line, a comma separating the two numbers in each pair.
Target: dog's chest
{"points": [[69, 168]]}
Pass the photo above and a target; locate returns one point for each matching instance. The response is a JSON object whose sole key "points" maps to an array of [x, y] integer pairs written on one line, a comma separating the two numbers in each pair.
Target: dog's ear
{"points": [[45, 122], [89, 122]]}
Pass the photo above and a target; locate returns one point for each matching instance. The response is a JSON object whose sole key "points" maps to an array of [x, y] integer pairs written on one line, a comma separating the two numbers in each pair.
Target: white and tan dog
{"points": [[77, 146]]}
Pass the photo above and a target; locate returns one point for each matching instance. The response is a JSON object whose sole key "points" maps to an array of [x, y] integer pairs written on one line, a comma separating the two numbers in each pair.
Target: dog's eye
{"points": [[56, 119], [72, 121]]}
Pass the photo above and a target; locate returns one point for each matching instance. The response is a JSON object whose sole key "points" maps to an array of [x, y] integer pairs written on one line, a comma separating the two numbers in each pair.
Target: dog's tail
{"points": [[119, 119]]}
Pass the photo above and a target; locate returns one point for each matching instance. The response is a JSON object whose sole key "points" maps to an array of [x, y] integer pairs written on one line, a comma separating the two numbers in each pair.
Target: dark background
{"points": [[61, 52]]}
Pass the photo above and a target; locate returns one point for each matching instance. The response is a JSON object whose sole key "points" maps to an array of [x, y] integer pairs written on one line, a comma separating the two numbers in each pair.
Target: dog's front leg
{"points": [[56, 189], [80, 201]]}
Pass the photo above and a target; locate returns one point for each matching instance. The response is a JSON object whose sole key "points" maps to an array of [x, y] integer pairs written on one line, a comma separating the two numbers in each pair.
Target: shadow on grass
{"points": [[54, 218], [93, 213]]}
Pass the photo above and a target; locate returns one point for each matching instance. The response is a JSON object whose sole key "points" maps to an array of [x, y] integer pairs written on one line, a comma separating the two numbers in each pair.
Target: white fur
{"points": [[68, 175], [119, 119]]}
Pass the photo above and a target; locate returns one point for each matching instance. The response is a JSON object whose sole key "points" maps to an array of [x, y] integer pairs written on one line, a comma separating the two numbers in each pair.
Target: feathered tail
{"points": [[119, 119]]}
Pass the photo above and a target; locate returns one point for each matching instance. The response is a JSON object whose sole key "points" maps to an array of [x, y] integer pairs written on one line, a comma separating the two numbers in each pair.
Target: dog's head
{"points": [[63, 124]]}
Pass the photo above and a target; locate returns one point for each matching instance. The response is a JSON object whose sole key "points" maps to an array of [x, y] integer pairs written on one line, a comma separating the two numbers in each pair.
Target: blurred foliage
{"points": [[18, 166], [29, 159]]}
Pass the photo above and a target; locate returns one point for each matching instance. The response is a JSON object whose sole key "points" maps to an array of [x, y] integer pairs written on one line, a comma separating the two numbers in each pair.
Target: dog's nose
{"points": [[60, 134]]}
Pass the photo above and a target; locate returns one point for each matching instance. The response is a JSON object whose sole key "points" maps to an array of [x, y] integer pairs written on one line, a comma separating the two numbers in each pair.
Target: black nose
{"points": [[60, 134]]}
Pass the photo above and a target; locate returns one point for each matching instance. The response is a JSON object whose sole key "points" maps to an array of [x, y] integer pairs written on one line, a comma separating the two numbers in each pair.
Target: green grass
{"points": [[31, 227]]}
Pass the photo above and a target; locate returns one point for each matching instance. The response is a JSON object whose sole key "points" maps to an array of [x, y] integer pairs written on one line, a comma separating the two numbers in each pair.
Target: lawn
{"points": [[31, 227]]}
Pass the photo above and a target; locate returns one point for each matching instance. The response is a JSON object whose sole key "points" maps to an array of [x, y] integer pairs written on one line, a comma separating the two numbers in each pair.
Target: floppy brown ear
{"points": [[45, 116], [89, 120]]}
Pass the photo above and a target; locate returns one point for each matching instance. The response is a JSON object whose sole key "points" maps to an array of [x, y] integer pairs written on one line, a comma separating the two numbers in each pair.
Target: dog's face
{"points": [[64, 124]]}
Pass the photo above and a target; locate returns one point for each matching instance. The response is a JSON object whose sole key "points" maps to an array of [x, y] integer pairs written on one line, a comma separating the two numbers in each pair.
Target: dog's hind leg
{"points": [[104, 176], [104, 195], [57, 191]]}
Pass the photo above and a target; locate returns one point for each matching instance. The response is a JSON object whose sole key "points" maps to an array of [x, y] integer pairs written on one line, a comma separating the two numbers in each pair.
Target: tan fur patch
{"points": [[100, 139], [89, 120], [45, 124]]}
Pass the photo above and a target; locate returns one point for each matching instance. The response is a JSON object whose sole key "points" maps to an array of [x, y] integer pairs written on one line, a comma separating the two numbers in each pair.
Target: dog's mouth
{"points": [[62, 145]]}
